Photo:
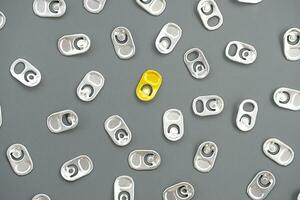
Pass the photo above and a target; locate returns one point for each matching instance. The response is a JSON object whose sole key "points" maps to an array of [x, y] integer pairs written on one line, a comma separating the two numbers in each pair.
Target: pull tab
{"points": [[173, 124], [90, 86], [153, 7], [94, 6], [49, 8], [241, 52], [62, 121], [287, 98], [261, 185], [250, 1], [208, 105], [168, 38], [29, 76], [19, 159], [196, 63], [118, 130], [206, 156], [70, 45], [41, 197], [124, 188], [208, 11], [2, 20], [76, 168], [179, 191], [148, 85], [278, 151], [123, 43], [247, 114], [144, 160], [291, 44]]}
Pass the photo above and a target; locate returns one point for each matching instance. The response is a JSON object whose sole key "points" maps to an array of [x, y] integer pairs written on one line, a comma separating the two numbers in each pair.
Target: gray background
{"points": [[240, 156]]}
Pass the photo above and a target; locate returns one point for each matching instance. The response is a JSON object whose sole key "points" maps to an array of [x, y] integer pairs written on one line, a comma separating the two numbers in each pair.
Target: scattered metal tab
{"points": [[179, 191], [173, 124], [241, 52], [246, 117], [206, 156], [250, 1], [153, 7], [90, 86], [41, 197], [19, 159], [118, 130], [124, 188], [49, 8], [61, 121], [208, 10], [2, 20], [287, 98], [70, 45], [76, 168], [94, 6], [196, 63], [168, 38], [291, 44], [278, 151], [123, 42], [261, 185], [144, 160], [208, 105]]}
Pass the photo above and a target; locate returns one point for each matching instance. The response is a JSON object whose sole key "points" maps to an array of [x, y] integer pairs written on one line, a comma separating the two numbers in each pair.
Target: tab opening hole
{"points": [[246, 120], [248, 107], [68, 119], [147, 90], [182, 192], [87, 91], [293, 39], [212, 105], [198, 66], [149, 159], [17, 155], [145, 1], [284, 97], [192, 56], [232, 51], [121, 37], [199, 106], [264, 181], [121, 134], [174, 129], [30, 76], [165, 43], [80, 43], [208, 150], [245, 54], [124, 195], [19, 68], [72, 170], [274, 148], [207, 9], [54, 6], [213, 21]]}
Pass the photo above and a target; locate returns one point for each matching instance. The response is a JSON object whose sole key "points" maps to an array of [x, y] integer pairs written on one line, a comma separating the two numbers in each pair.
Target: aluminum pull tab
{"points": [[291, 44], [153, 7], [123, 43], [94, 6], [196, 63], [168, 38], [173, 124], [208, 105], [261, 185], [298, 197], [124, 188], [70, 45], [179, 191], [241, 52], [2, 20], [144, 160], [118, 130], [278, 151], [90, 86], [29, 76], [49, 8], [61, 121], [19, 159], [247, 114], [76, 168], [250, 1], [208, 10], [287, 98], [148, 85], [206, 156], [41, 197]]}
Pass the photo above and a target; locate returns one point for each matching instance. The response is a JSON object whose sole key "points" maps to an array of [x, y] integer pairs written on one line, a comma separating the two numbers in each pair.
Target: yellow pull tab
{"points": [[149, 85]]}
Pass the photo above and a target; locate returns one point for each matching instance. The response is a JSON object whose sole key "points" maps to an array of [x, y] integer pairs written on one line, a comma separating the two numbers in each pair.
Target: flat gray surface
{"points": [[240, 156]]}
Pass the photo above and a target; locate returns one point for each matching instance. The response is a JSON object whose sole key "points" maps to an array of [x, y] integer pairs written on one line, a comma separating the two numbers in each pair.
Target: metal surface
{"points": [[143, 160], [179, 191], [173, 124], [196, 63], [250, 1], [261, 185], [94, 6], [62, 121], [41, 197], [124, 188], [291, 44], [247, 114], [49, 8], [242, 53], [287, 98], [208, 105], [2, 20], [206, 156], [70, 45], [153, 7], [209, 10]]}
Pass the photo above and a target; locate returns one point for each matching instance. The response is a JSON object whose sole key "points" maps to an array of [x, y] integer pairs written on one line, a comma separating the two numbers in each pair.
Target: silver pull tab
{"points": [[94, 6], [153, 7], [173, 124], [250, 1], [27, 74], [61, 121], [123, 43], [291, 44], [208, 105], [49, 8], [41, 197], [241, 52], [19, 159], [76, 168], [278, 151], [179, 191], [206, 156], [124, 188], [196, 63], [2, 20], [144, 160], [298, 197], [287, 98], [168, 38], [261, 185], [247, 114], [90, 86], [70, 45], [118, 130], [208, 11]]}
